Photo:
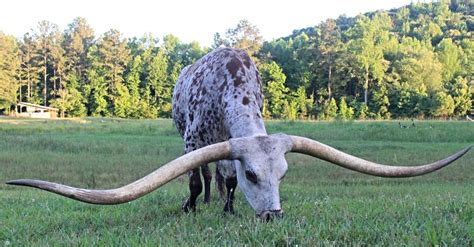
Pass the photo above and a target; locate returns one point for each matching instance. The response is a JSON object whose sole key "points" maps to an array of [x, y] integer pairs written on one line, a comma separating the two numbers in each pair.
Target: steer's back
{"points": [[218, 94]]}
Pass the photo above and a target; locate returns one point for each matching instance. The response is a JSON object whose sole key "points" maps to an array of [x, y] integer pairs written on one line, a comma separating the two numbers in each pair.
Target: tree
{"points": [[133, 85], [218, 41], [157, 83], [450, 57], [245, 36], [442, 105], [109, 60], [367, 37], [79, 37], [292, 55], [345, 112], [330, 110], [461, 93], [69, 100], [325, 48], [96, 87], [44, 37], [29, 69], [416, 64], [274, 88], [303, 103], [9, 65], [380, 103], [58, 61]]}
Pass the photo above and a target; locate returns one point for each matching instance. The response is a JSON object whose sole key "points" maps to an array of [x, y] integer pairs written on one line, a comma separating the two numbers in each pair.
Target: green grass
{"points": [[324, 204]]}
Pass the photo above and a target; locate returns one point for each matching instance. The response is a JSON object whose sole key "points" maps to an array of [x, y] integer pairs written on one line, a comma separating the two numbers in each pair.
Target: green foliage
{"points": [[449, 56], [395, 63], [442, 105], [274, 89], [461, 94], [366, 45], [380, 103], [329, 110], [244, 36], [303, 103], [362, 111], [9, 65], [345, 112]]}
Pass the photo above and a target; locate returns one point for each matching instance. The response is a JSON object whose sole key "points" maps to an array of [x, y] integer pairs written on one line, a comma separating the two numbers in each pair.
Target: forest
{"points": [[416, 61]]}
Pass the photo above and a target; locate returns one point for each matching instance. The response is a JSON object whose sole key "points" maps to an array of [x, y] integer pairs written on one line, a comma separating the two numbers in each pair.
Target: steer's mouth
{"points": [[268, 215]]}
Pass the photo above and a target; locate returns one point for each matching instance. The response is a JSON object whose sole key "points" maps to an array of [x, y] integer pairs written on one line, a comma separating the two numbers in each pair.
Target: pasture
{"points": [[323, 203]]}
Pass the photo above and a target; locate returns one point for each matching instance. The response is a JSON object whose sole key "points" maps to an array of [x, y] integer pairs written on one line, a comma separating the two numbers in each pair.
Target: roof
{"points": [[38, 106]]}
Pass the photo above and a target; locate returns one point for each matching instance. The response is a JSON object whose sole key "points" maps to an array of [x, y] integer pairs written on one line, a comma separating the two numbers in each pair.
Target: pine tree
{"points": [[109, 59], [325, 49], [9, 71], [330, 109], [96, 89], [58, 63], [44, 37], [345, 112], [274, 88], [157, 83], [245, 36], [78, 38], [302, 102], [133, 85], [29, 70]]}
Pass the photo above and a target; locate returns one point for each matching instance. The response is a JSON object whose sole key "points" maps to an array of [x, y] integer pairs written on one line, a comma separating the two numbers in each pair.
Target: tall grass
{"points": [[324, 204]]}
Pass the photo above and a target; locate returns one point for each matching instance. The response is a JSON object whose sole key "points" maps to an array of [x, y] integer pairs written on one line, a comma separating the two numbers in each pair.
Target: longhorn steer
{"points": [[217, 109]]}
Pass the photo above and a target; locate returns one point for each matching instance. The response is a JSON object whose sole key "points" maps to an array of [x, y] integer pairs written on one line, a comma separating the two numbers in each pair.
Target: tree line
{"points": [[416, 61]]}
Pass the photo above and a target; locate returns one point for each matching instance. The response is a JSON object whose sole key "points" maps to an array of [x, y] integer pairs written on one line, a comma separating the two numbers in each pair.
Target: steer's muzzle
{"points": [[267, 215]]}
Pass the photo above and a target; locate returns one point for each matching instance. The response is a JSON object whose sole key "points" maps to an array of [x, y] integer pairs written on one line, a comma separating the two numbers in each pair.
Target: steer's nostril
{"points": [[265, 215]]}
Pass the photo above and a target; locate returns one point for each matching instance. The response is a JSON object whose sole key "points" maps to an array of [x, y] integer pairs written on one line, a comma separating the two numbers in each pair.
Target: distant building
{"points": [[30, 110]]}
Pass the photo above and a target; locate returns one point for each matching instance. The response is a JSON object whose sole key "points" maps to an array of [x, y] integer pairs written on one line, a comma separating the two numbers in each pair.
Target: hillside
{"points": [[415, 61]]}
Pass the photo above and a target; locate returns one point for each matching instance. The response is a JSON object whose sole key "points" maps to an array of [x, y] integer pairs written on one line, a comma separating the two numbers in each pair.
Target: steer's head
{"points": [[261, 166]]}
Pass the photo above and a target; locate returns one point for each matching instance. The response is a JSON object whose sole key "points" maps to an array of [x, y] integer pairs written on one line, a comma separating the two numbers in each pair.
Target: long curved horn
{"points": [[142, 186], [325, 152]]}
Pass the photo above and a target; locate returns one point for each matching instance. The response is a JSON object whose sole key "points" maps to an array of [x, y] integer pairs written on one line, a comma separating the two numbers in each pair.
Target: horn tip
{"points": [[22, 182], [15, 182]]}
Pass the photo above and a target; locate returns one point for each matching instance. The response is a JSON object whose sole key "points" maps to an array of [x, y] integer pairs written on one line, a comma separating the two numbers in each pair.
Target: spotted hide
{"points": [[217, 98]]}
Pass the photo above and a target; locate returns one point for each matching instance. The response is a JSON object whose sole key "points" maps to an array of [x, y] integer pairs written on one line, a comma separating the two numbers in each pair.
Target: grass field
{"points": [[324, 204]]}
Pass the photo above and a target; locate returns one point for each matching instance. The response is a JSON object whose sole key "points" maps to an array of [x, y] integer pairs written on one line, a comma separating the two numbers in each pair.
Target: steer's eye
{"points": [[251, 176]]}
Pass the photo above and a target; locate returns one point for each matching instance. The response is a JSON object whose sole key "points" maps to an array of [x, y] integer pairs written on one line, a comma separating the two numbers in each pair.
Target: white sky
{"points": [[188, 20]]}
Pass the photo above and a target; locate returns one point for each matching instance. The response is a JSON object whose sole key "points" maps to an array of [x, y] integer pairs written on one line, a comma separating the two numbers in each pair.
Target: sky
{"points": [[189, 20]]}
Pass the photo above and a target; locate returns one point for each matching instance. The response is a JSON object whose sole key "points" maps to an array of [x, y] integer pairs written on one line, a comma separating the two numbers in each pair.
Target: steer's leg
{"points": [[207, 174], [230, 184], [195, 187], [226, 170]]}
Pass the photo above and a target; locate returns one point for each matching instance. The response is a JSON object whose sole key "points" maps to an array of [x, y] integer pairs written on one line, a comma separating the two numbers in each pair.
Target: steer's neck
{"points": [[247, 125]]}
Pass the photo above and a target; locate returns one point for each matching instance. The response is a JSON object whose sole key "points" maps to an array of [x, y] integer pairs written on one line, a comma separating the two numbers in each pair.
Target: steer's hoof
{"points": [[188, 207], [228, 209]]}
